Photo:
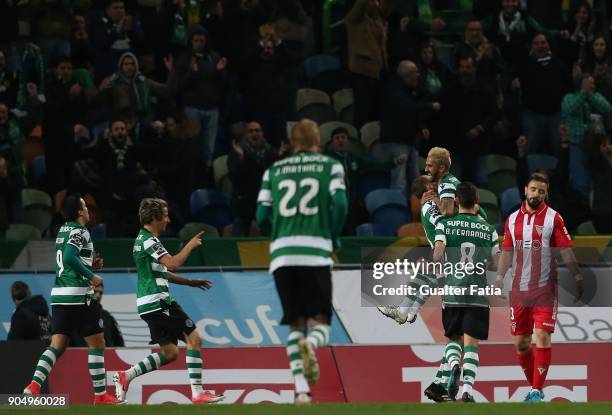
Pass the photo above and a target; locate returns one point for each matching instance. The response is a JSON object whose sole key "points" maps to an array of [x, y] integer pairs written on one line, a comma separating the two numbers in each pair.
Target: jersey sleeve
{"points": [[507, 243], [440, 233], [78, 238], [265, 193], [447, 190], [337, 179], [154, 248], [494, 242], [560, 237], [434, 214]]}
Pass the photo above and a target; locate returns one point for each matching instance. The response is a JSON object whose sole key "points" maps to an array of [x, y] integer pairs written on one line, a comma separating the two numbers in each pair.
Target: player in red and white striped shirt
{"points": [[532, 235]]}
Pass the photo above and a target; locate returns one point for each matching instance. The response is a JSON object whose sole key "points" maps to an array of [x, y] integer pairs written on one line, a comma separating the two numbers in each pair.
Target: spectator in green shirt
{"points": [[583, 112]]}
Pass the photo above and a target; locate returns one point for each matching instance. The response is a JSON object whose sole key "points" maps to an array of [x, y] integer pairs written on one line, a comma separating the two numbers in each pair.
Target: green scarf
{"points": [[258, 153], [120, 151]]}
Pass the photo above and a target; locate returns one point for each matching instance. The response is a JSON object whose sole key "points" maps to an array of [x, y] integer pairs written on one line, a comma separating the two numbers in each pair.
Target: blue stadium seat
{"points": [[210, 206], [382, 197], [541, 161], [371, 182], [388, 207], [320, 63], [393, 216], [38, 168], [510, 201], [98, 231], [373, 229], [202, 198], [98, 129], [330, 81]]}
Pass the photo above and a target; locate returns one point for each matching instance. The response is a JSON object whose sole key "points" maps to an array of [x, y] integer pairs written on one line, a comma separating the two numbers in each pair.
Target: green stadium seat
{"points": [[347, 114], [492, 163], [342, 99], [37, 209], [488, 201], [502, 180], [586, 228], [22, 232], [33, 197], [487, 197], [497, 162], [220, 168], [370, 133], [307, 96], [317, 112]]}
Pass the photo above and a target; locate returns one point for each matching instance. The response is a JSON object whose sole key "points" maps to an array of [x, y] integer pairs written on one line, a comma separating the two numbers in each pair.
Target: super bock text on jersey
{"points": [[469, 242]]}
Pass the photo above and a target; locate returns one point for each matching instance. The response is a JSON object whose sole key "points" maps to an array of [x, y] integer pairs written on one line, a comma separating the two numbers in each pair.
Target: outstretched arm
{"points": [[174, 262], [177, 279]]}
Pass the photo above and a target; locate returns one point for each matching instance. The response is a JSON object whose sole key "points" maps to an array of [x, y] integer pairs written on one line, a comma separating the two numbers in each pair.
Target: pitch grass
{"points": [[331, 409]]}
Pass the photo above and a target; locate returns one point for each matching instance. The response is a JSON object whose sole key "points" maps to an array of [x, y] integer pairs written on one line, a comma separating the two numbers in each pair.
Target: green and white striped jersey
{"points": [[152, 293], [430, 216], [447, 186], [299, 189], [70, 287], [468, 239]]}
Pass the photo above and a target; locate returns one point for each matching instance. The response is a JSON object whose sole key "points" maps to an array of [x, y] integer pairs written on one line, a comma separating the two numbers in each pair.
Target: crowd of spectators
{"points": [[138, 98]]}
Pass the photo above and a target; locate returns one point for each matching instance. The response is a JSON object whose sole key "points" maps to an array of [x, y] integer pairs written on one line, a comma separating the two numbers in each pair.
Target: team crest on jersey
{"points": [[77, 239], [539, 229], [188, 323], [159, 248]]}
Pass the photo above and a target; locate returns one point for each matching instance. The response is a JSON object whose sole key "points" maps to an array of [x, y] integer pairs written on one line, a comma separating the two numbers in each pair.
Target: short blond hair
{"points": [[305, 134], [441, 156], [151, 209]]}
